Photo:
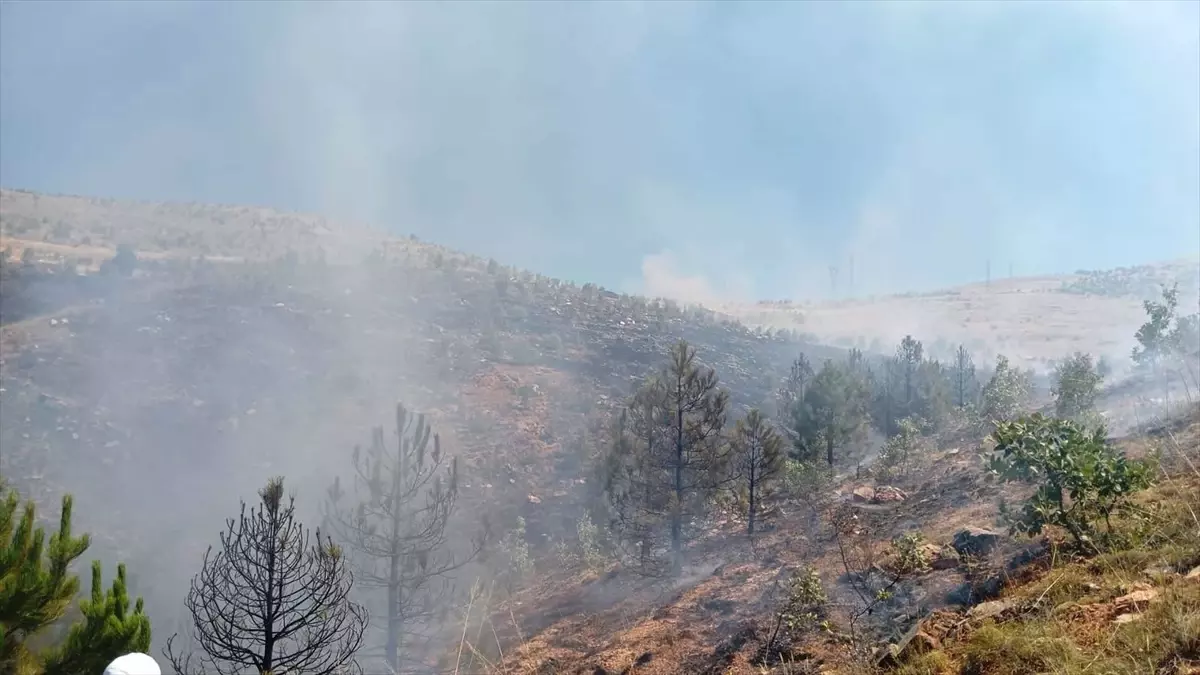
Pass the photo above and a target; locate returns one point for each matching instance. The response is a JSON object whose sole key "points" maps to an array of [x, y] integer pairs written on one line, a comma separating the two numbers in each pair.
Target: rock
{"points": [[888, 494], [939, 558], [976, 541], [915, 641], [864, 494], [1136, 600], [1194, 573], [534, 499], [989, 609], [1127, 618]]}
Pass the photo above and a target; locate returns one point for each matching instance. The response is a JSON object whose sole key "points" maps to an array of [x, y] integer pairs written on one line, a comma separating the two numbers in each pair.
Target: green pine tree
{"points": [[37, 590], [108, 630], [35, 587]]}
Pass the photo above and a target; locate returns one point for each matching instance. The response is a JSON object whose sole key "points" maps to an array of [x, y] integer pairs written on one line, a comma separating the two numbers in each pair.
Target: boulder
{"points": [[939, 558], [976, 541], [864, 494]]}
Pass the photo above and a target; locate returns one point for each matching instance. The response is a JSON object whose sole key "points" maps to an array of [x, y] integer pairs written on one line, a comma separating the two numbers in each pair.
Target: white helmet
{"points": [[133, 664]]}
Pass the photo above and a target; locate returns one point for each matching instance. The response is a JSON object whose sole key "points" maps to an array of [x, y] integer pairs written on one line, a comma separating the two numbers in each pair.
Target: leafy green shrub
{"points": [[1076, 385], [804, 600], [1007, 392], [1080, 479], [515, 548], [898, 453], [590, 548], [909, 555]]}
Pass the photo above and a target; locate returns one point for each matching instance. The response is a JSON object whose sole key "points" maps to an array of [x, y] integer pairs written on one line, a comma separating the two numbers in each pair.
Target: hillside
{"points": [[243, 342], [1033, 320]]}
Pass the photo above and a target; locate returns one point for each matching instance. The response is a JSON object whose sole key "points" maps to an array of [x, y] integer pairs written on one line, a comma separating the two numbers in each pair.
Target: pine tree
{"points": [[108, 630], [757, 453], [885, 391], [909, 355], [667, 458], [273, 598], [395, 530], [962, 373], [636, 479], [37, 589], [832, 413], [794, 386], [35, 586]]}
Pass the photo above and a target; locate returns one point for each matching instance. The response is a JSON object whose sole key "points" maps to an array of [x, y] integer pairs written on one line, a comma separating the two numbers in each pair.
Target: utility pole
{"points": [[988, 279]]}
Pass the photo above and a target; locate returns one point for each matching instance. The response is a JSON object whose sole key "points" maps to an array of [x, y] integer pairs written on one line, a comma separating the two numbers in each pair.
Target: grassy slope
{"points": [[1134, 610]]}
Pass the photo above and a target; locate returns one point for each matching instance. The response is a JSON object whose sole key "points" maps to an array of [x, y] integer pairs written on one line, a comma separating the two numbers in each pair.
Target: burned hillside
{"points": [[160, 385]]}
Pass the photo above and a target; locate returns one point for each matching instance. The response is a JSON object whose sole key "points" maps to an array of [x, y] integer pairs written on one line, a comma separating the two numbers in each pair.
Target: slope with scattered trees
{"points": [[615, 483]]}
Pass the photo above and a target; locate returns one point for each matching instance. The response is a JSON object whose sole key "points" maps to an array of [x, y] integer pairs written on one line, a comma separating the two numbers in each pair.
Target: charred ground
{"points": [[240, 343]]}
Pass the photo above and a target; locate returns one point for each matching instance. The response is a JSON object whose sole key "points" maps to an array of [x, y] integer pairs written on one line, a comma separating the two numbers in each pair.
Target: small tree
{"points": [[108, 630], [962, 374], [832, 412], [910, 353], [794, 386], [1076, 386], [395, 528], [36, 590], [1007, 392], [898, 452], [1156, 341], [1154, 336], [125, 261], [758, 461], [518, 562], [273, 598], [1186, 339], [668, 457], [1080, 479], [803, 604]]}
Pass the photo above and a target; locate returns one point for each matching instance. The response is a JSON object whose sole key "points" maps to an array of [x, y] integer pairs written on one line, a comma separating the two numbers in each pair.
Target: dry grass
{"points": [[1027, 319]]}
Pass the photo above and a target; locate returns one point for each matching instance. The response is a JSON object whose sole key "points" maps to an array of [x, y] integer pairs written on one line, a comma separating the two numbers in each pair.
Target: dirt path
{"points": [[18, 246]]}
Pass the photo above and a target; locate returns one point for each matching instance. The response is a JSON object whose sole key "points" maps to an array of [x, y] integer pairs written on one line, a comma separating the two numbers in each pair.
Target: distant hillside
{"points": [[159, 361], [1034, 321], [214, 364]]}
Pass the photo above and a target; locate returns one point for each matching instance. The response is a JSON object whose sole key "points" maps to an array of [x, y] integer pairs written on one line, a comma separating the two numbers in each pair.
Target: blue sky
{"points": [[710, 150]]}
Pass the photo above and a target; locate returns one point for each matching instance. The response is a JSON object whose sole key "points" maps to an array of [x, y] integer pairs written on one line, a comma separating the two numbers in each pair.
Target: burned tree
{"points": [[273, 598], [757, 459], [667, 457], [395, 529]]}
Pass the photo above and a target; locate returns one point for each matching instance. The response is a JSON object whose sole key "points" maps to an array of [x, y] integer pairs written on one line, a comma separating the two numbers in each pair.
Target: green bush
{"points": [[1081, 480]]}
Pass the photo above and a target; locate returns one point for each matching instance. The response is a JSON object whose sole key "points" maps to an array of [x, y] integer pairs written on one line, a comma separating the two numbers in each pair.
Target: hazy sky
{"points": [[723, 148]]}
